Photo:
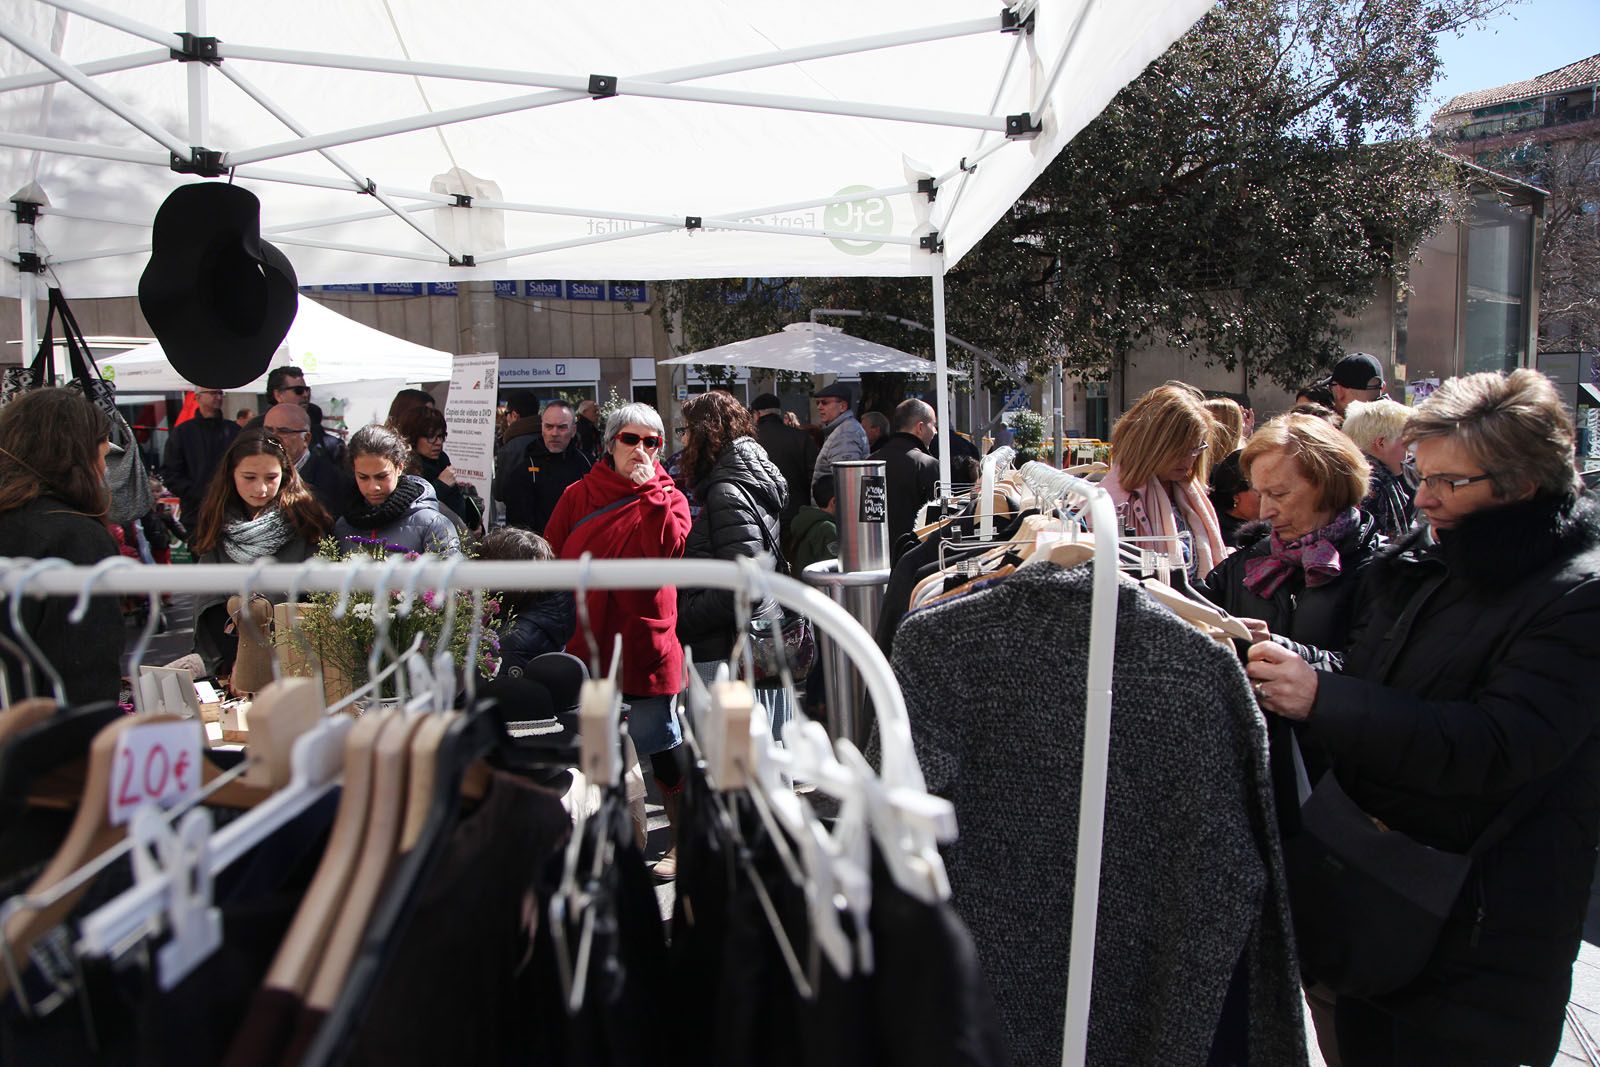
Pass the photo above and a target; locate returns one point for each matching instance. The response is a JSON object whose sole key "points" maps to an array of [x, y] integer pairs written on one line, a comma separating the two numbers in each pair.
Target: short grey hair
{"points": [[633, 415], [1514, 425], [875, 418]]}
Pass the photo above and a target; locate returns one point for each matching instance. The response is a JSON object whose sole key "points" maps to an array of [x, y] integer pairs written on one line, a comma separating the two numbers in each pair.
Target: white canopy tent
{"points": [[329, 347], [811, 348], [627, 139]]}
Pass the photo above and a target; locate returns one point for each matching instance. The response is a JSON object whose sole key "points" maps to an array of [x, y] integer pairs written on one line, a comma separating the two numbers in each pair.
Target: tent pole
{"points": [[99, 66], [941, 369], [165, 38], [28, 142], [27, 291], [86, 85], [199, 97]]}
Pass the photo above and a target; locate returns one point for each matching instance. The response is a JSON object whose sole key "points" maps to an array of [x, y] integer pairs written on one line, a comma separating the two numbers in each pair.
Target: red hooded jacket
{"points": [[654, 524]]}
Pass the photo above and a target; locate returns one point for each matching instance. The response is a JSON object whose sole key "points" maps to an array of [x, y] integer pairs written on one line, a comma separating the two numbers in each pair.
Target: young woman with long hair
{"points": [[53, 501], [256, 507], [393, 510]]}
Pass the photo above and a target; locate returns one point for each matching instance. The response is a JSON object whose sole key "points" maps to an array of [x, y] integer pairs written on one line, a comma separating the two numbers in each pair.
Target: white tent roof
{"points": [[327, 346], [811, 348], [795, 133]]}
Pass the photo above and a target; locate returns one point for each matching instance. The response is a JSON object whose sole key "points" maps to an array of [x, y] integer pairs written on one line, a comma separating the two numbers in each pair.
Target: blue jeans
{"points": [[653, 723]]}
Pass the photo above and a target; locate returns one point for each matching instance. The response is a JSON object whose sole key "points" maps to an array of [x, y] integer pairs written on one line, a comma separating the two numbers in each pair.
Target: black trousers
{"points": [[1371, 1037]]}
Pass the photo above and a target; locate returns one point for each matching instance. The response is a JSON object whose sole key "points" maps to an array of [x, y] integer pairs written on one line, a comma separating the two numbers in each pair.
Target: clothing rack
{"points": [[1048, 483], [900, 768]]}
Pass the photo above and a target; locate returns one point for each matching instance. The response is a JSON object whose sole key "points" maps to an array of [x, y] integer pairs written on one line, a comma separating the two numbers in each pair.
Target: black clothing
{"points": [[529, 479], [194, 450], [743, 494], [85, 654], [588, 437], [1390, 501], [452, 497], [794, 453], [1317, 616], [545, 625], [910, 475], [1434, 727], [365, 516], [329, 482], [1371, 1037]]}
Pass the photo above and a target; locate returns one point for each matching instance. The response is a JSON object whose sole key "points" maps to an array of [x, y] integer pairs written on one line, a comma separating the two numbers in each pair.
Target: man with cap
{"points": [[791, 450], [193, 451], [329, 483], [1358, 376], [843, 437]]}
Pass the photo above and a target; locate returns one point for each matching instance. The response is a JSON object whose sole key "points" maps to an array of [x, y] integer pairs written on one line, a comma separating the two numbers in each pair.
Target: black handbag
{"points": [[776, 637], [1368, 902]]}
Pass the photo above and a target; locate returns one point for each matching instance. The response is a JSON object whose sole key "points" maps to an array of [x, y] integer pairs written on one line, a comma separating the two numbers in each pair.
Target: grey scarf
{"points": [[247, 540]]}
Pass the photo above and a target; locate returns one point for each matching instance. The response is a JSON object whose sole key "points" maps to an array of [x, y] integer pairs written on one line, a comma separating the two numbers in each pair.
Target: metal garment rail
{"points": [[1048, 483], [900, 768]]}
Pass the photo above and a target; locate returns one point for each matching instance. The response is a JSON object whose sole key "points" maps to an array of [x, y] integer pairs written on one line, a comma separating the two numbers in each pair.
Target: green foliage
{"points": [[1027, 433], [1259, 181], [613, 402]]}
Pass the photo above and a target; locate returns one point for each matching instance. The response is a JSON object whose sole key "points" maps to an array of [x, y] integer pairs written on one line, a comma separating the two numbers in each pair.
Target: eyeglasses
{"points": [[281, 431], [438, 437], [631, 439], [297, 390], [215, 394], [681, 431], [1438, 483], [1195, 452]]}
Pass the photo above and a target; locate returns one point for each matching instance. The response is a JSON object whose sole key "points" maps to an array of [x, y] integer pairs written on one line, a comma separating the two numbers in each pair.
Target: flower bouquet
{"points": [[343, 642]]}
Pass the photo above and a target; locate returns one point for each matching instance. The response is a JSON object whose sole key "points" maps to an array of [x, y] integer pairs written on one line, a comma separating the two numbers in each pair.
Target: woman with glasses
{"points": [[1158, 475], [424, 430], [1468, 694], [627, 507], [255, 508]]}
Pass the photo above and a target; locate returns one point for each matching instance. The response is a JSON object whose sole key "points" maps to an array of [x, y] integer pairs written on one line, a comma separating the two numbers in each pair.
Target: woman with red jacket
{"points": [[627, 507]]}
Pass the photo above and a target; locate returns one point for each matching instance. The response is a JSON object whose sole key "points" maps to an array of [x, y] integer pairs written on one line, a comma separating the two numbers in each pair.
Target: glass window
{"points": [[1497, 285]]}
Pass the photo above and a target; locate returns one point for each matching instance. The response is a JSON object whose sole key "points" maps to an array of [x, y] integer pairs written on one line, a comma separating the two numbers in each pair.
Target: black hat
{"points": [[837, 390], [218, 298], [1358, 370], [766, 402]]}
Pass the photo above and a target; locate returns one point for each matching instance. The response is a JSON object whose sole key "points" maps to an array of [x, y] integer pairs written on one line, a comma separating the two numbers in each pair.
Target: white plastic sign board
{"points": [[469, 413], [157, 762]]}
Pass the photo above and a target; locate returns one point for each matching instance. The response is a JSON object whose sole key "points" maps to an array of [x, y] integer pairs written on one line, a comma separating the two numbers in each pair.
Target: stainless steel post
{"points": [[862, 495]]}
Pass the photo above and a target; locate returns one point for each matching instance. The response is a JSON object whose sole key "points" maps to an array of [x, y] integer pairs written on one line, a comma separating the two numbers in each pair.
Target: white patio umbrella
{"points": [[329, 347], [811, 348]]}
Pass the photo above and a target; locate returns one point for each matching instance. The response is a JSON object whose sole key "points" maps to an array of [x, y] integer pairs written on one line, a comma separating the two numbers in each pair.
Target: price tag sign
{"points": [[156, 762]]}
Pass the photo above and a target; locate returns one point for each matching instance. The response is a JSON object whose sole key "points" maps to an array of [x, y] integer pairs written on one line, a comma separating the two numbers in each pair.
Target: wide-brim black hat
{"points": [[218, 298]]}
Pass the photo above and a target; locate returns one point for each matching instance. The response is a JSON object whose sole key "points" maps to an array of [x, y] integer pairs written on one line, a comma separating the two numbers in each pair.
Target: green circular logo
{"points": [[873, 216]]}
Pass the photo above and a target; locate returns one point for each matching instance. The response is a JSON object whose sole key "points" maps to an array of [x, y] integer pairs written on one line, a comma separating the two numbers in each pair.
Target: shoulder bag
{"points": [[771, 624]]}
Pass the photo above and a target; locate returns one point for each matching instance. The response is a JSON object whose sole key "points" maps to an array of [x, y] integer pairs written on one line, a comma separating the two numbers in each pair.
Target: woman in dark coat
{"points": [[1300, 574], [1468, 680], [424, 431], [53, 502], [742, 496]]}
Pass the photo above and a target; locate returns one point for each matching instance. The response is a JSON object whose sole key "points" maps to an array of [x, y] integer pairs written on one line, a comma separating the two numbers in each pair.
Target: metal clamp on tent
{"points": [[197, 50], [927, 187], [602, 85], [693, 222], [931, 242], [1022, 127], [463, 261], [462, 200], [1019, 19], [205, 162]]}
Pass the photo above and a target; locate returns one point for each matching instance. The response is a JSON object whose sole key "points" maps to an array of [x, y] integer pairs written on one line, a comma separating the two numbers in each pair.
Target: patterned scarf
{"points": [[247, 540], [1316, 555]]}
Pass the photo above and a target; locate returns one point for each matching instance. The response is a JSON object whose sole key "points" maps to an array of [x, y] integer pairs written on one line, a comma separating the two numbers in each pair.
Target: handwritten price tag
{"points": [[157, 762]]}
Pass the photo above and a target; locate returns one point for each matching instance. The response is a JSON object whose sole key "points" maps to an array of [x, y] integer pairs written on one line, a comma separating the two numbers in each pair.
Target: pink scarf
{"points": [[1148, 509], [1316, 555]]}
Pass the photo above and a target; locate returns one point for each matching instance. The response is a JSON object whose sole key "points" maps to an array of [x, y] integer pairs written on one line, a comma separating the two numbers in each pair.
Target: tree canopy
{"points": [[1253, 185]]}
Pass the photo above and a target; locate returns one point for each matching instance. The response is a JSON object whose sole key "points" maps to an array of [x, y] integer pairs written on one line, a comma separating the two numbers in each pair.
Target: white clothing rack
{"points": [[900, 768], [1048, 483]]}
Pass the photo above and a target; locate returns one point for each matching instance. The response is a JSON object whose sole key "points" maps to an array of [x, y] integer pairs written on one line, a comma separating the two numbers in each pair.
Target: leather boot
{"points": [[666, 868]]}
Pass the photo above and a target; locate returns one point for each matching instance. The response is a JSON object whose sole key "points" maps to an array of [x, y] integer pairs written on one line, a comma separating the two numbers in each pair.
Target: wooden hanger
{"points": [[298, 956], [379, 850], [23, 715], [1206, 618], [92, 833], [423, 774]]}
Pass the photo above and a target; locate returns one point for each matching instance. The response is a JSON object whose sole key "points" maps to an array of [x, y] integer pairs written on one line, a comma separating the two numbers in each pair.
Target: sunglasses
{"points": [[631, 439], [297, 390]]}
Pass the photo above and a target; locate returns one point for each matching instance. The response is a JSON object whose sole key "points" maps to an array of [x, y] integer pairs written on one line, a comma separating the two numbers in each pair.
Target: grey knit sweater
{"points": [[1192, 873]]}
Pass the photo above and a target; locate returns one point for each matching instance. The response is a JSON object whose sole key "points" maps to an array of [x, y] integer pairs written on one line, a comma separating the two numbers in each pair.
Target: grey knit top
{"points": [[1192, 879]]}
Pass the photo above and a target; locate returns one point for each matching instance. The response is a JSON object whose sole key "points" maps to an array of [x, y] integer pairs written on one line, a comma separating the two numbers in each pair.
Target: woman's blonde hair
{"points": [[1367, 420], [1327, 458], [1163, 427], [1514, 425], [1229, 438]]}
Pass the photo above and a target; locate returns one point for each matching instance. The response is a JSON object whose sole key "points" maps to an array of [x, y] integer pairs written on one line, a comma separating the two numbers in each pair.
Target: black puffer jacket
{"points": [[1435, 726], [1318, 617], [743, 495]]}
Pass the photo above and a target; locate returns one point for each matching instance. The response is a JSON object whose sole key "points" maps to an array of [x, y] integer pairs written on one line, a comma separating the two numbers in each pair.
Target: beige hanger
{"points": [[423, 773], [379, 850], [24, 715], [1184, 608], [298, 956], [92, 832]]}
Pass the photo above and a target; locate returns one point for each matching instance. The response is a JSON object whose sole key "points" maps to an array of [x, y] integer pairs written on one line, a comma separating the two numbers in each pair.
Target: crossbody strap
{"points": [[613, 506], [1517, 808], [766, 540]]}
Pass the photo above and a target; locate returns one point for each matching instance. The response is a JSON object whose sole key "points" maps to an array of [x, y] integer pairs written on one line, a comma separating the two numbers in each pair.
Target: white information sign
{"points": [[469, 412]]}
